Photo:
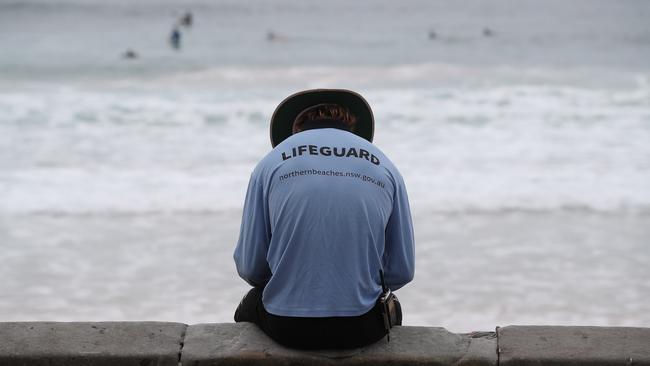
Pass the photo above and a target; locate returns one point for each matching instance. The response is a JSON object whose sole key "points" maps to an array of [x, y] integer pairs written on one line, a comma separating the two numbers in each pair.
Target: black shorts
{"points": [[313, 333]]}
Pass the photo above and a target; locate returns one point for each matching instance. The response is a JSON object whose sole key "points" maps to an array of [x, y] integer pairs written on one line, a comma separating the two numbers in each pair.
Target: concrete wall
{"points": [[156, 343]]}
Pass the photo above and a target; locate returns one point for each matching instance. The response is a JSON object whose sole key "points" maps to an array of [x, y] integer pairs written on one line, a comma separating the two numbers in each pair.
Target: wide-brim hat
{"points": [[287, 111]]}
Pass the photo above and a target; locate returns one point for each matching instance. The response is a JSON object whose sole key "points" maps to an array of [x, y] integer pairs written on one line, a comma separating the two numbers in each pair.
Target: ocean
{"points": [[522, 130]]}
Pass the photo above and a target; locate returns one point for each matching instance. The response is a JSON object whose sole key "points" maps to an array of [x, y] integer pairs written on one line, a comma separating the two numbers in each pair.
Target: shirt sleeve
{"points": [[399, 255], [254, 237]]}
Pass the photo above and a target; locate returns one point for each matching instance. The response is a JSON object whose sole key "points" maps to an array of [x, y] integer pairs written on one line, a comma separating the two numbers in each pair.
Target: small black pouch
{"points": [[391, 311]]}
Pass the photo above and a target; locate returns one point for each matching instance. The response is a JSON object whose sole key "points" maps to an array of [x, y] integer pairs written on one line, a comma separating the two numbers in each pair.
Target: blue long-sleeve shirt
{"points": [[325, 210]]}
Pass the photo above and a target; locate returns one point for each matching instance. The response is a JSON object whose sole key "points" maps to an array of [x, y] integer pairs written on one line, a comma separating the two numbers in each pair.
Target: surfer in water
{"points": [[272, 36], [175, 38], [187, 19], [326, 232], [129, 54]]}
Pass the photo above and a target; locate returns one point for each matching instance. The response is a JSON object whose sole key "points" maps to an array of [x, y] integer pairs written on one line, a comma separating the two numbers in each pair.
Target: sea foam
{"points": [[490, 148]]}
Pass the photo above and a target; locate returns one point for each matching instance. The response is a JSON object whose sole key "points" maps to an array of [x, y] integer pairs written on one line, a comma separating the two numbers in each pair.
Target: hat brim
{"points": [[292, 106]]}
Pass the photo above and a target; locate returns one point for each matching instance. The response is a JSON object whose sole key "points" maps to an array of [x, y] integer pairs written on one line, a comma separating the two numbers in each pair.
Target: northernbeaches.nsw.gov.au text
{"points": [[332, 173]]}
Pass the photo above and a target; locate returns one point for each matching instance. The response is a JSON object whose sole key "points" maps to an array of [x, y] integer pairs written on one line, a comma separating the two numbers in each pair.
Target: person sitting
{"points": [[326, 218]]}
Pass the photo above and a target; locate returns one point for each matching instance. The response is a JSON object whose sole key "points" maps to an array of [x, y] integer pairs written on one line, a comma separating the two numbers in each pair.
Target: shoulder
{"points": [[270, 162], [264, 166]]}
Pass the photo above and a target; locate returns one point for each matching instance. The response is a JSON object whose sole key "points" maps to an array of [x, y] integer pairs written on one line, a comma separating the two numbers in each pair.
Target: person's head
{"points": [[325, 114], [322, 108]]}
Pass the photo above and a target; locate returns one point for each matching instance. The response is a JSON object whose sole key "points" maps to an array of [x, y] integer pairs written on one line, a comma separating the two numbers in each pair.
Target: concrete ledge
{"points": [[245, 344], [174, 344], [551, 345], [104, 343]]}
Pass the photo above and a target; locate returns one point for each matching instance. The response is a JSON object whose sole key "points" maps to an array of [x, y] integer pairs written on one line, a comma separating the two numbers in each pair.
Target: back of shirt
{"points": [[324, 212]]}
